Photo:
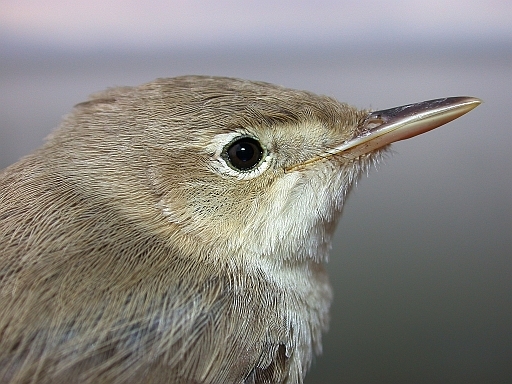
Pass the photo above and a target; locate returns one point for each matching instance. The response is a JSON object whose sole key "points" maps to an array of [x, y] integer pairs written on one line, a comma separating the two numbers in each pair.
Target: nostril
{"points": [[373, 122]]}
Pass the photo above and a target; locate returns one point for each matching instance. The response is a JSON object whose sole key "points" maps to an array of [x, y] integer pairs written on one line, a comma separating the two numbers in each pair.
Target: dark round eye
{"points": [[244, 153]]}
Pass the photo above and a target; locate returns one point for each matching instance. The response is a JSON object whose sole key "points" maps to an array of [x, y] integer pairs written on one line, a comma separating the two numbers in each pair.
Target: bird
{"points": [[178, 231]]}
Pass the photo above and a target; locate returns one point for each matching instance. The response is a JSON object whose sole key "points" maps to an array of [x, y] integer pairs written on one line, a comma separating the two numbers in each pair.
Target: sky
{"points": [[99, 24]]}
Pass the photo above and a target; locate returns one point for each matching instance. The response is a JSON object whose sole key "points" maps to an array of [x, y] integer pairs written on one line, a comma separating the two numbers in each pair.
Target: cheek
{"points": [[283, 219], [213, 207]]}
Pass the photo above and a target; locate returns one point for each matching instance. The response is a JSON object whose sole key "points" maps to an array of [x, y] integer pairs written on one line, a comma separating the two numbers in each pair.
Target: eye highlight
{"points": [[243, 154]]}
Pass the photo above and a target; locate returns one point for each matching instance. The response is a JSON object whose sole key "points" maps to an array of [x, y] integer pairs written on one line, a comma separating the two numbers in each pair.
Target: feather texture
{"points": [[131, 253]]}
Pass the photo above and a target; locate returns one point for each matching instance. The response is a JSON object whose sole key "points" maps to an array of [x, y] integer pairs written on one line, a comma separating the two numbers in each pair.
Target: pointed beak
{"points": [[389, 125]]}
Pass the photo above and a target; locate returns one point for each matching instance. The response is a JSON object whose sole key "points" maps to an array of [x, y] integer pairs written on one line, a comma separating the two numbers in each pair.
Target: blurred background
{"points": [[422, 261]]}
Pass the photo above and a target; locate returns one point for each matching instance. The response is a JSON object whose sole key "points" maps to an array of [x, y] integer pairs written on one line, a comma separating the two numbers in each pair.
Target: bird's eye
{"points": [[244, 153]]}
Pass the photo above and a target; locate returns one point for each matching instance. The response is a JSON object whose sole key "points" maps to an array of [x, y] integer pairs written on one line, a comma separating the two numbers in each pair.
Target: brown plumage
{"points": [[133, 250]]}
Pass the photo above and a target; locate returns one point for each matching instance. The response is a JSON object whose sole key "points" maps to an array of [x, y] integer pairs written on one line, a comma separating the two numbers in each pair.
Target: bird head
{"points": [[245, 168]]}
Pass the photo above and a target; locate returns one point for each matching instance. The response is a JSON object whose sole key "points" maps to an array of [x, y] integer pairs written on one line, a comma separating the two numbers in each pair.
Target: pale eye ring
{"points": [[243, 154]]}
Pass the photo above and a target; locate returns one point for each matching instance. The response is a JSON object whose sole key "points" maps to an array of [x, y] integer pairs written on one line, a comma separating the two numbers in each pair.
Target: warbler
{"points": [[177, 231]]}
